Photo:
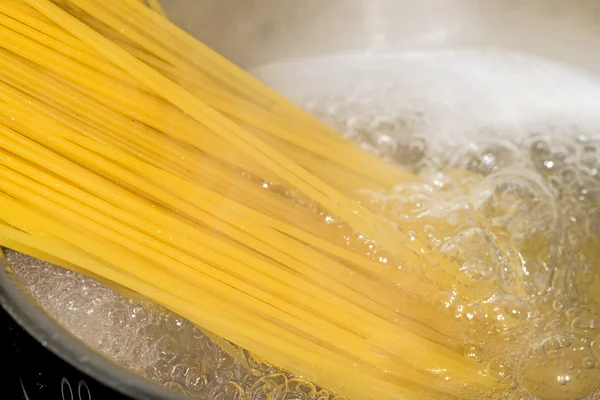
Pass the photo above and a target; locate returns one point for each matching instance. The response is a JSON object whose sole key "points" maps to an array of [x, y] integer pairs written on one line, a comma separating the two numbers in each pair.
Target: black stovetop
{"points": [[35, 373]]}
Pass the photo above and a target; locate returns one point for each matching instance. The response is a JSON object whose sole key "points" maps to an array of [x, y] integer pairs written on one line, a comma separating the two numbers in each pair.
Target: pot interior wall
{"points": [[260, 31]]}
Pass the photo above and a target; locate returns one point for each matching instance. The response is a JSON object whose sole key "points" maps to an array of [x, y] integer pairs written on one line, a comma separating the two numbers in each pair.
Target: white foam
{"points": [[452, 95]]}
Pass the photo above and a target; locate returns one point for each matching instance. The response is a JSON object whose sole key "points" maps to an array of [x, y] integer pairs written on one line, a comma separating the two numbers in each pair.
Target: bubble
{"points": [[31, 278], [595, 346], [488, 156], [257, 365], [413, 152], [558, 367], [179, 371], [507, 311], [537, 278], [559, 304], [301, 389], [271, 387], [520, 203], [479, 262], [446, 301], [588, 324], [409, 199], [371, 200], [195, 381], [223, 361], [74, 302], [384, 256], [117, 314], [473, 351], [175, 323], [174, 386], [590, 363], [585, 191], [593, 222], [550, 153], [499, 369], [470, 313], [166, 348], [139, 314], [568, 174], [386, 146], [228, 391]]}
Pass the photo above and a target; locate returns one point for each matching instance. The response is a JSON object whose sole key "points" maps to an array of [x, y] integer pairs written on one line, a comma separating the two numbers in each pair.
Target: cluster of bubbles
{"points": [[526, 218], [153, 342]]}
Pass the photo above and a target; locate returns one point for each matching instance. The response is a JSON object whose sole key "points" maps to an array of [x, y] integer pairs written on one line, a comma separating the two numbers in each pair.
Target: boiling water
{"points": [[528, 131]]}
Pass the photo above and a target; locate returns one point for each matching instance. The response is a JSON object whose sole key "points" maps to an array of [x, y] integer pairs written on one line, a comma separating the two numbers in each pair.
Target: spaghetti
{"points": [[135, 154]]}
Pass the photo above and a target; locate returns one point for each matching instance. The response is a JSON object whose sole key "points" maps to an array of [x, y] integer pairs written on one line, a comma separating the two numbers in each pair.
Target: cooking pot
{"points": [[255, 32]]}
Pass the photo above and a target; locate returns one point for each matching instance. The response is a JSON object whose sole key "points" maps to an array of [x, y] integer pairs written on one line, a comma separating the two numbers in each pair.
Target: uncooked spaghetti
{"points": [[132, 152]]}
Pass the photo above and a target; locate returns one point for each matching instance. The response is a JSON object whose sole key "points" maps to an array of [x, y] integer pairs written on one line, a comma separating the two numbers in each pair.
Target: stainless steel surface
{"points": [[253, 32], [258, 31]]}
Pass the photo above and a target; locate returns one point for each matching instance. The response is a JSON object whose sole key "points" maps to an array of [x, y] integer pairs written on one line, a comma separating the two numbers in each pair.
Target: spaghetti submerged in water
{"points": [[133, 153]]}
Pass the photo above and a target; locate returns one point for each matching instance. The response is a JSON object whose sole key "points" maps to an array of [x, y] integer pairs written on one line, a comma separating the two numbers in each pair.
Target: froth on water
{"points": [[508, 149]]}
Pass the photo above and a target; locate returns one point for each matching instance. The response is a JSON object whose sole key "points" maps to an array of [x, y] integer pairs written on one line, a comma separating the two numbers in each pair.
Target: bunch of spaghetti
{"points": [[133, 153]]}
